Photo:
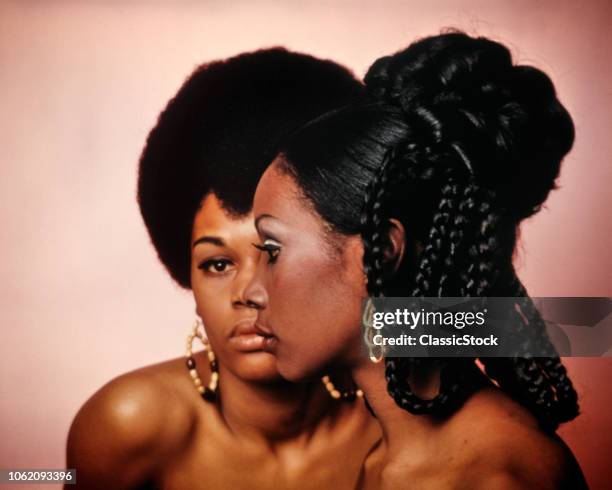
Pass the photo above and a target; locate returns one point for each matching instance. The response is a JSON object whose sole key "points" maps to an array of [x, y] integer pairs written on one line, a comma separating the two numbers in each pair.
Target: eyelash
{"points": [[272, 250], [207, 264]]}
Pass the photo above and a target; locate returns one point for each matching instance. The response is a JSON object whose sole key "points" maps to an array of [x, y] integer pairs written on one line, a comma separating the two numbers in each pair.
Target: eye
{"points": [[216, 266], [271, 247]]}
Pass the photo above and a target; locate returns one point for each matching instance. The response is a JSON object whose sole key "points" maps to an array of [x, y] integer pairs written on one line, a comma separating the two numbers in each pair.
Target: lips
{"points": [[270, 340], [245, 337], [262, 330], [243, 327]]}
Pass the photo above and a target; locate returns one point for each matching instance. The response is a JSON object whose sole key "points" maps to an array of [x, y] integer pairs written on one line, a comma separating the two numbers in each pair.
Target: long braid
{"points": [[467, 106], [372, 224], [566, 397], [432, 256], [487, 263], [538, 392], [528, 381], [474, 283], [453, 389], [541, 384], [525, 378]]}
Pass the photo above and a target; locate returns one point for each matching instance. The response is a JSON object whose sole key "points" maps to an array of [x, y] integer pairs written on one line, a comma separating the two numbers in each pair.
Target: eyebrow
{"points": [[260, 217], [215, 240]]}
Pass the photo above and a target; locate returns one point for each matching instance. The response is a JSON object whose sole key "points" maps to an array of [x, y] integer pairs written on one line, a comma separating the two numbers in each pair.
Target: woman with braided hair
{"points": [[419, 190]]}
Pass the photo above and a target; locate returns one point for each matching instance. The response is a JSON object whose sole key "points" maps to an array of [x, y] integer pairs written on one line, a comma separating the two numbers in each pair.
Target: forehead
{"points": [[278, 194], [213, 218]]}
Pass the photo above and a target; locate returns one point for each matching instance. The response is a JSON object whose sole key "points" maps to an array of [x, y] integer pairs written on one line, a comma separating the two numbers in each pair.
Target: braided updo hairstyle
{"points": [[460, 145]]}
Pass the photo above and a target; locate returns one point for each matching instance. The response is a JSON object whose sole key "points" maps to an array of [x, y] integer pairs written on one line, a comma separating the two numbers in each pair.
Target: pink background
{"points": [[82, 297]]}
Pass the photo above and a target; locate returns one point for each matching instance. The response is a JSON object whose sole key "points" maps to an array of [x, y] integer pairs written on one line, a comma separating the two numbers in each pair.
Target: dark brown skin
{"points": [[151, 429], [490, 442]]}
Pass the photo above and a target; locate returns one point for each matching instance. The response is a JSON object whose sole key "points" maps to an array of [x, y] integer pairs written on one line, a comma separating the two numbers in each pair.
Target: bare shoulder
{"points": [[502, 446], [137, 420]]}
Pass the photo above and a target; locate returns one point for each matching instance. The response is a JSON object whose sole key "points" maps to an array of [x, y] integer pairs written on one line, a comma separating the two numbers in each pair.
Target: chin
{"points": [[292, 369], [257, 367]]}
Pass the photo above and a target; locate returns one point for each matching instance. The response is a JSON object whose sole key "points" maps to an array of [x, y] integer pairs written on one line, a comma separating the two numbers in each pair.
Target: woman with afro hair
{"points": [[418, 190], [222, 417]]}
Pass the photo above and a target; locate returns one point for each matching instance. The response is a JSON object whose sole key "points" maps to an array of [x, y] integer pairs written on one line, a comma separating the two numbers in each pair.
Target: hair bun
{"points": [[464, 92]]}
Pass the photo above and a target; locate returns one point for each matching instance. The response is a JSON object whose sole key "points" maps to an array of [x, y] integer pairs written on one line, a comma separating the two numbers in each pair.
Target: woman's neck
{"points": [[402, 431], [272, 413]]}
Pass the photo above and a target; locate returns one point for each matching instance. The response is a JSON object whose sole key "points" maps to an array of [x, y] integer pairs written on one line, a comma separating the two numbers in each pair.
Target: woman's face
{"points": [[223, 261], [309, 284]]}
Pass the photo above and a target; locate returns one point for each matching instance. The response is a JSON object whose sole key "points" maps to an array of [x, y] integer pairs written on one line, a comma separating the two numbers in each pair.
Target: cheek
{"points": [[325, 334], [315, 311], [311, 290], [212, 305], [300, 287]]}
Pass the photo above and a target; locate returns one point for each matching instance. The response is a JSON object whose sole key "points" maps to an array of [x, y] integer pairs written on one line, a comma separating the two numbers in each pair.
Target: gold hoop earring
{"points": [[336, 394], [375, 352], [208, 393]]}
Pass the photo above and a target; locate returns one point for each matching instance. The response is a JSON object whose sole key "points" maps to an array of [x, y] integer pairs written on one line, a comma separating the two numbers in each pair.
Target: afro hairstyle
{"points": [[220, 132]]}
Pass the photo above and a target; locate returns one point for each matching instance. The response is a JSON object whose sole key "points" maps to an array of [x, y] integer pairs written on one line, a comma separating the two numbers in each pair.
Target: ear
{"points": [[396, 245]]}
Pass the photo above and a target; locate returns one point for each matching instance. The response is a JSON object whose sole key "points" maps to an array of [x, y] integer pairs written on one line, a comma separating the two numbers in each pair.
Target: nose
{"points": [[255, 294], [239, 296]]}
